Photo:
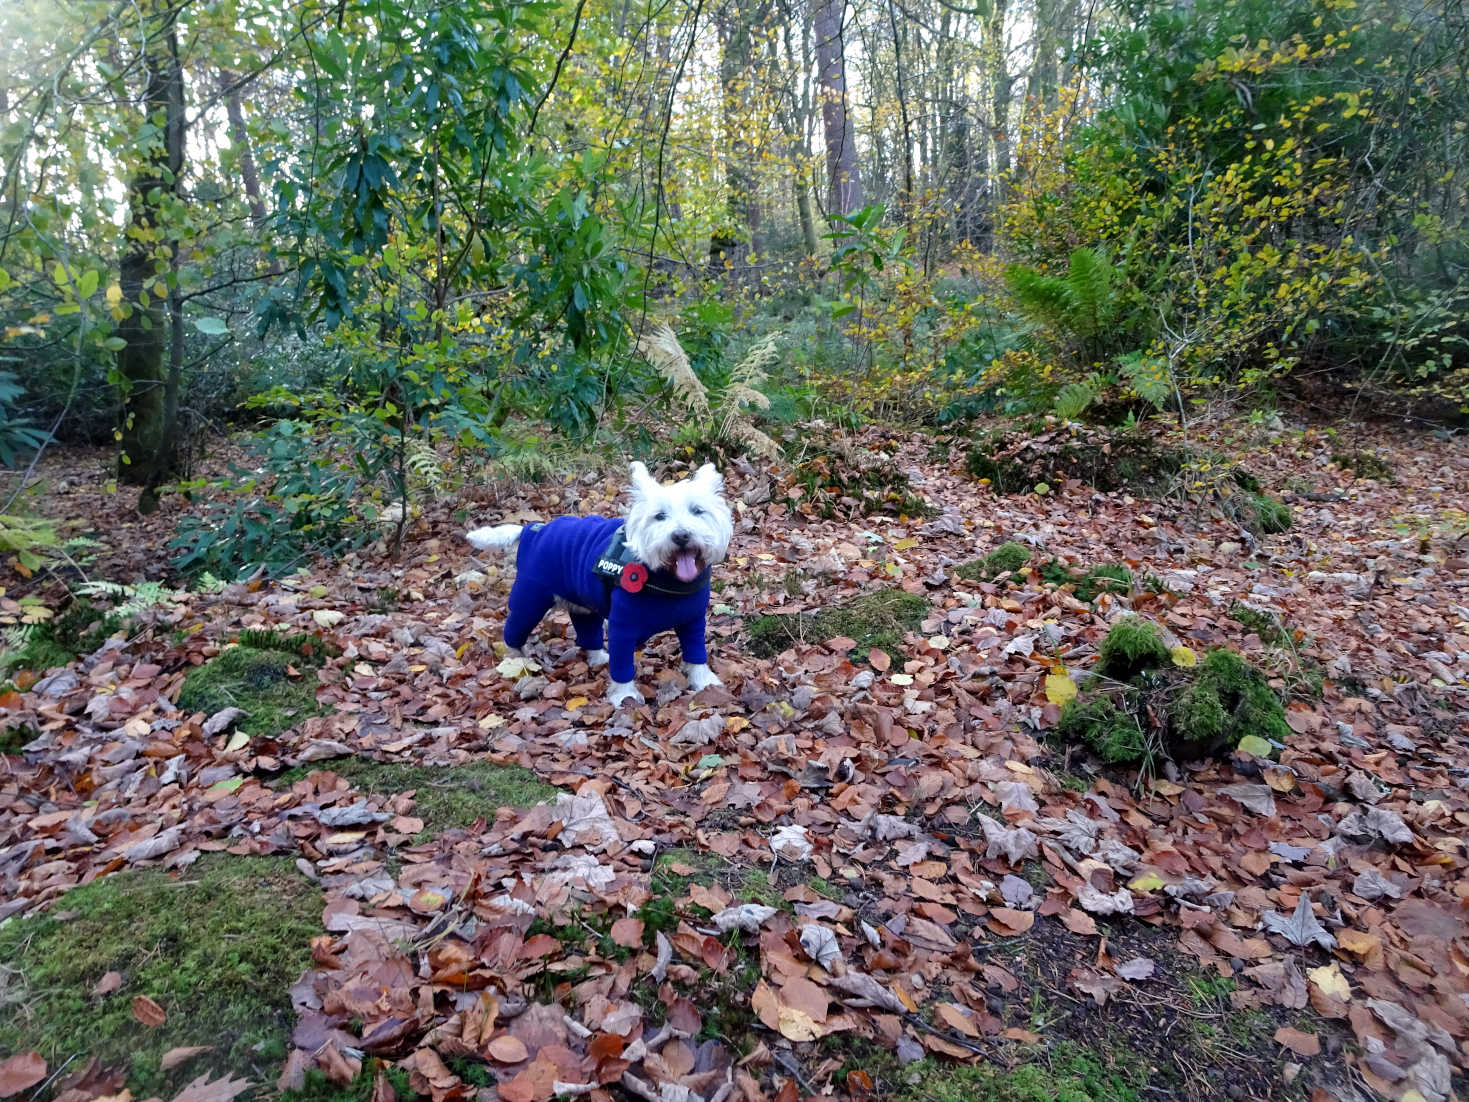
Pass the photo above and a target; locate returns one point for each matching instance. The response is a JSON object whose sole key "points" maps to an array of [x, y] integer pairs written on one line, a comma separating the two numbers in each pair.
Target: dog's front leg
{"points": [[623, 692], [696, 656], [622, 645]]}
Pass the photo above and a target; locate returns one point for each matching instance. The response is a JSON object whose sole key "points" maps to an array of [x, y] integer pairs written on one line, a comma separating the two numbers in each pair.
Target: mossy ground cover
{"points": [[217, 947], [1065, 1073], [1087, 582], [875, 620], [275, 687], [1143, 702], [445, 798]]}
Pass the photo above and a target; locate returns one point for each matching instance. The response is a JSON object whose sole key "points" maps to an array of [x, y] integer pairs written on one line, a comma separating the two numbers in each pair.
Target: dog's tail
{"points": [[498, 537]]}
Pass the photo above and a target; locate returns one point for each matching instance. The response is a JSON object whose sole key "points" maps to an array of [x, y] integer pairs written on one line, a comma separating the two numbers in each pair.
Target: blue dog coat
{"points": [[580, 560]]}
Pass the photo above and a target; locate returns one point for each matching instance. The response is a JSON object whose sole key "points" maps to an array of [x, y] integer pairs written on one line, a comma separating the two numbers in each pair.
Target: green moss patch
{"points": [[1364, 465], [1089, 582], [217, 949], [1068, 1073], [444, 798], [1005, 559], [877, 619], [1265, 514], [1139, 705], [276, 688]]}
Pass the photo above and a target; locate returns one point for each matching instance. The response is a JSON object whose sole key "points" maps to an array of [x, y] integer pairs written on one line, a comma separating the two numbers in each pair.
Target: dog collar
{"points": [[618, 566]]}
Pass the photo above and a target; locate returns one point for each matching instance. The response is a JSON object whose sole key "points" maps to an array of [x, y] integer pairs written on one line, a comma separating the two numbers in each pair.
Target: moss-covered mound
{"points": [[275, 687], [1144, 701], [1016, 461], [837, 480], [1110, 459], [217, 950], [876, 619]]}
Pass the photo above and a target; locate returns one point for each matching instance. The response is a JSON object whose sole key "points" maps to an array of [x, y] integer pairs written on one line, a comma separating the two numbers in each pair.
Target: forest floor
{"points": [[409, 866]]}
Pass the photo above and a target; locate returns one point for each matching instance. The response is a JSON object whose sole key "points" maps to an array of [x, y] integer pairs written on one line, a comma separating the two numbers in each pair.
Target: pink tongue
{"points": [[686, 566]]}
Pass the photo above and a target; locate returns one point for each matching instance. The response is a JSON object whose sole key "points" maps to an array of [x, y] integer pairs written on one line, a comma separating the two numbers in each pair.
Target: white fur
{"points": [[499, 537], [623, 692], [700, 676], [661, 521]]}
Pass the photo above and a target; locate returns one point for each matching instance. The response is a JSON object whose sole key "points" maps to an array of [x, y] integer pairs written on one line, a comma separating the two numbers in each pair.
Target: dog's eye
{"points": [[696, 510], [660, 515]]}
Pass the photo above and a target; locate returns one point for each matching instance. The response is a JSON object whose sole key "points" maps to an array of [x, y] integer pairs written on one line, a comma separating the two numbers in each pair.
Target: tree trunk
{"points": [[905, 197], [803, 210], [150, 453], [843, 176], [742, 237], [240, 140], [1000, 94]]}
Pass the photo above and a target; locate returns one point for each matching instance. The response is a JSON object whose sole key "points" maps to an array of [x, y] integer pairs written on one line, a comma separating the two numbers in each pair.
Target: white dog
{"points": [[641, 575]]}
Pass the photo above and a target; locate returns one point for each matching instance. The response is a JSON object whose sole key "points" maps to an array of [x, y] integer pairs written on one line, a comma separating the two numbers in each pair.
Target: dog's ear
{"points": [[708, 475], [643, 484]]}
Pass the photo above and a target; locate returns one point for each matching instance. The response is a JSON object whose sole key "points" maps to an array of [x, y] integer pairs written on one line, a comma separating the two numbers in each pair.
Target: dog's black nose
{"points": [[681, 538]]}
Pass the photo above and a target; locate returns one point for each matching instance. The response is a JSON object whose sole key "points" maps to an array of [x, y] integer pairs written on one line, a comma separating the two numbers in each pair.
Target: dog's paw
{"points": [[596, 658], [700, 676], [623, 692]]}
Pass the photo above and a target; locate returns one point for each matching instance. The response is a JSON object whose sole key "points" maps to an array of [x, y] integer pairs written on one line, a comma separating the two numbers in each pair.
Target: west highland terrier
{"points": [[641, 575]]}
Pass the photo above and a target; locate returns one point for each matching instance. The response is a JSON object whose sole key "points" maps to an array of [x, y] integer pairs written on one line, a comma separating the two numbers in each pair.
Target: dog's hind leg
{"points": [[527, 608]]}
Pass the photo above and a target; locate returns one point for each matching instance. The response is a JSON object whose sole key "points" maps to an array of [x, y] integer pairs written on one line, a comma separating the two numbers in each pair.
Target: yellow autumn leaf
{"points": [[1254, 745], [1184, 657], [114, 295], [1330, 980], [905, 543], [1147, 882], [797, 1025], [1059, 688], [328, 617]]}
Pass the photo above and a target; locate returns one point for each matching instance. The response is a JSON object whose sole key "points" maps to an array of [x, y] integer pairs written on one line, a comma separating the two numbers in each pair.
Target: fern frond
{"points": [[747, 434], [426, 465], [16, 637], [129, 600], [1148, 375], [755, 366], [659, 346], [1092, 289]]}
